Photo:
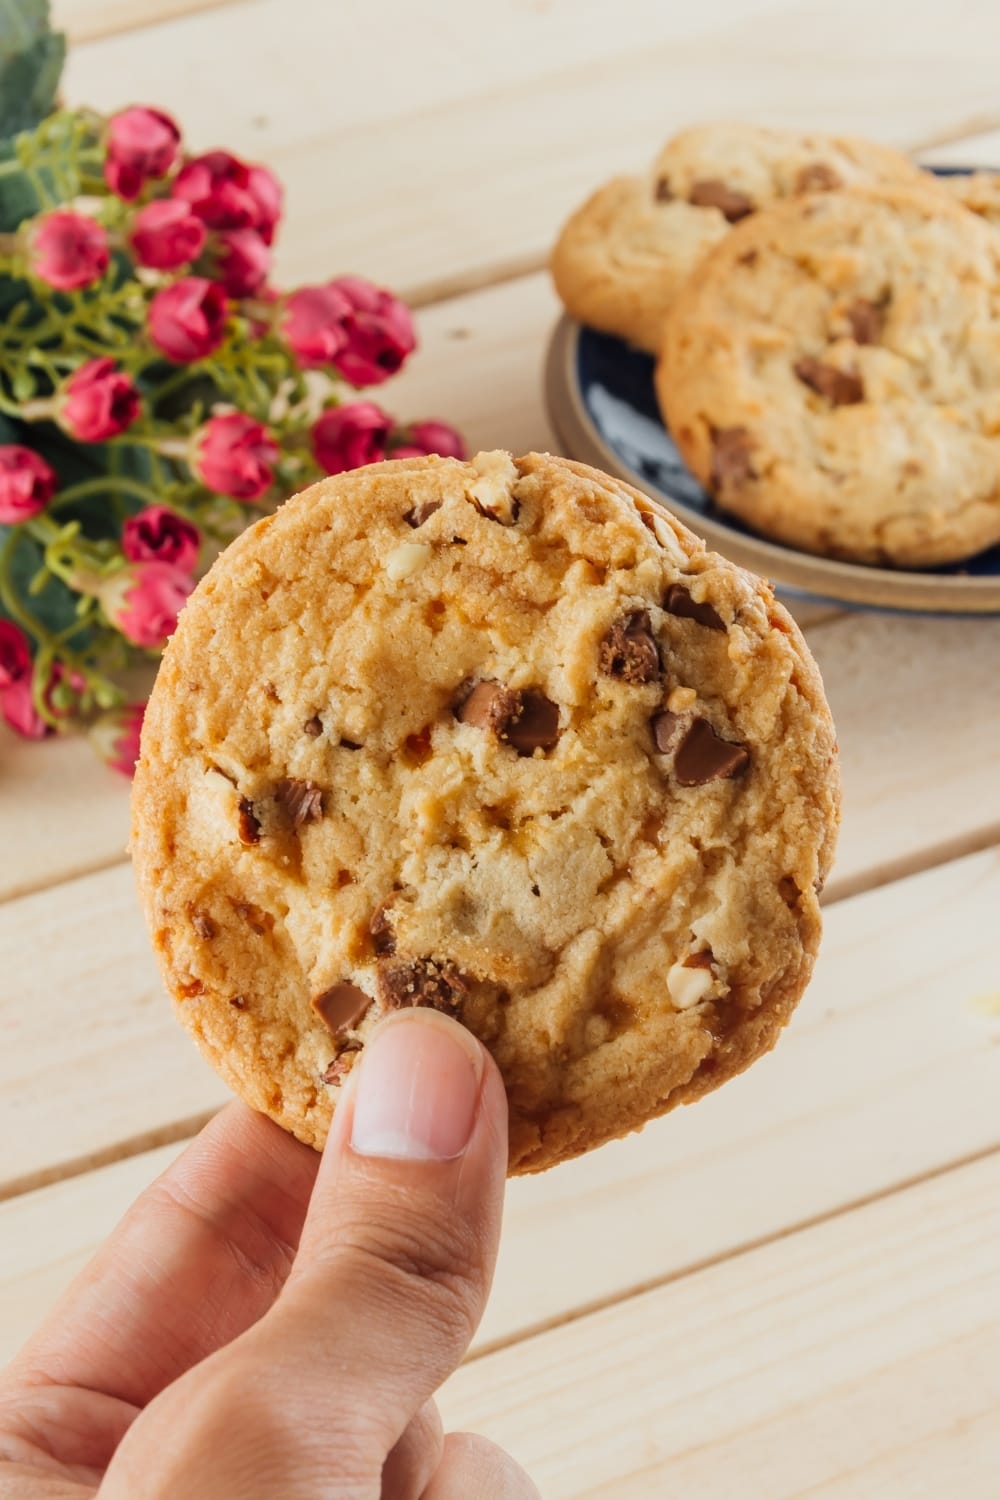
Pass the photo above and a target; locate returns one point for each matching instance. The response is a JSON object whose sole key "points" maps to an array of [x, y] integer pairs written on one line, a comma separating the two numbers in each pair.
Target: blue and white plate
{"points": [[603, 407]]}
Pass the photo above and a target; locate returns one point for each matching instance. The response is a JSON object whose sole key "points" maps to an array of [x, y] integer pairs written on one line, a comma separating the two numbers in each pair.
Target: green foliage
{"points": [[31, 64]]}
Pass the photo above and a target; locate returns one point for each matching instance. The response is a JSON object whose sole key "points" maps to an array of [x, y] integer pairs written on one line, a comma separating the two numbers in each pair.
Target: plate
{"points": [[602, 405]]}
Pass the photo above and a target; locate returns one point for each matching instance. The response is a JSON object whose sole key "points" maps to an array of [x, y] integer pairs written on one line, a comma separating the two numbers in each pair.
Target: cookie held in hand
{"points": [[500, 738]]}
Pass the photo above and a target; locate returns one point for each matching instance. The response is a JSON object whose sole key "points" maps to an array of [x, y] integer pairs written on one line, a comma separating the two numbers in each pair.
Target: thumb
{"points": [[398, 1250]]}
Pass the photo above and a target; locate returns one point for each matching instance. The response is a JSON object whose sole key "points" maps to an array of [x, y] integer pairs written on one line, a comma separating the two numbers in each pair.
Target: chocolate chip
{"points": [[382, 934], [342, 1064], [536, 725], [664, 193], [488, 706], [302, 800], [711, 192], [704, 756], [204, 926], [422, 512], [817, 177], [248, 826], [421, 981], [237, 1002], [679, 602], [840, 387], [866, 319], [666, 727], [732, 458], [341, 1007], [313, 727], [525, 719], [350, 744], [629, 649]]}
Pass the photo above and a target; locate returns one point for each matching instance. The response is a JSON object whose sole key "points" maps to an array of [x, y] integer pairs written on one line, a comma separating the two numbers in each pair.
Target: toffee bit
{"points": [[381, 930], [248, 826]]}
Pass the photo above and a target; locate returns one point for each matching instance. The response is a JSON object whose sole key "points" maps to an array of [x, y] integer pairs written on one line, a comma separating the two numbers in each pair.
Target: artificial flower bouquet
{"points": [[157, 392]]}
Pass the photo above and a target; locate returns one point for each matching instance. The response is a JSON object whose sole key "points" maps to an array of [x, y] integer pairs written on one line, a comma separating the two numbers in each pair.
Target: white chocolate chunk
{"points": [[406, 559], [688, 987]]}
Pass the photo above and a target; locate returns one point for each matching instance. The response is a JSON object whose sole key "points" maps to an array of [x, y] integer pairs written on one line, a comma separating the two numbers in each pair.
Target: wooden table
{"points": [[794, 1288]]}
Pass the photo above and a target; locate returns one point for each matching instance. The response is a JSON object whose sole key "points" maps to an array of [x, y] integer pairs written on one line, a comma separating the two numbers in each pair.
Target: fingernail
{"points": [[418, 1089]]}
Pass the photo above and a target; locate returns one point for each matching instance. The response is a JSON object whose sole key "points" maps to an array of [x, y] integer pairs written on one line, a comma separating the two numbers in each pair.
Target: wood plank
{"points": [[69, 1220], [436, 176], [91, 1055], [61, 810], [892, 1030], [860, 1357], [85, 20], [916, 707]]}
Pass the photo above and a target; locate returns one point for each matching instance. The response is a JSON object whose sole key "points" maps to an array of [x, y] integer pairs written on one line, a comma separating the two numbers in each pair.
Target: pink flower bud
{"points": [[244, 261], [144, 599], [430, 437], [142, 144], [68, 250], [265, 190], [165, 234], [379, 332], [15, 654], [98, 402], [17, 701], [347, 437], [158, 534], [115, 737], [312, 324], [234, 456], [27, 484], [17, 705], [227, 193], [188, 319]]}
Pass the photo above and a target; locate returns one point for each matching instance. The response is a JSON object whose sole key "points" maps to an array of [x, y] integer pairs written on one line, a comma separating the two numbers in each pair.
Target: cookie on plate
{"points": [[977, 191], [498, 737], [622, 258], [832, 376]]}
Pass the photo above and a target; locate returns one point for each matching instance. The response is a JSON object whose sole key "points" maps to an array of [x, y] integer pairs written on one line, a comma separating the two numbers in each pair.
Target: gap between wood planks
{"points": [[127, 16], [746, 1247], [134, 1145]]}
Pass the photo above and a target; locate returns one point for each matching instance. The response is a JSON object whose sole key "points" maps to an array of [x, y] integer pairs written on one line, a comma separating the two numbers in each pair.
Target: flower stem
{"points": [[121, 483]]}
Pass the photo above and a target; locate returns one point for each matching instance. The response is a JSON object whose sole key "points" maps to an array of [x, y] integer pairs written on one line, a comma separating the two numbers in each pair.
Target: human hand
{"points": [[264, 1323]]}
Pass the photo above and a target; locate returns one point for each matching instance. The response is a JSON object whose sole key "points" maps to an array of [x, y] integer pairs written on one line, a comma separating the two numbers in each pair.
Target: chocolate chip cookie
{"points": [[977, 191], [623, 257], [501, 738], [832, 375]]}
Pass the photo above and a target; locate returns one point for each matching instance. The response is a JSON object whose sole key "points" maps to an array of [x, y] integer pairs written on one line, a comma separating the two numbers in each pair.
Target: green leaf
{"points": [[31, 64]]}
